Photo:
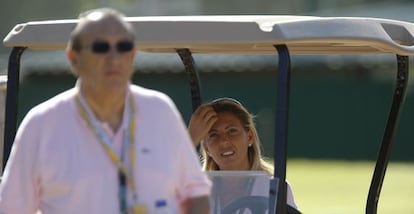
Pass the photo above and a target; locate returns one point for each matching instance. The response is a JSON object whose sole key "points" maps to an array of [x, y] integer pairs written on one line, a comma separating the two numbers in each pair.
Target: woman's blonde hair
{"points": [[233, 106]]}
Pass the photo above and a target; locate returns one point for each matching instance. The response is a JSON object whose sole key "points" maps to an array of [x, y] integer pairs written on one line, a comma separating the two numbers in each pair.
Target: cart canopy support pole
{"points": [[10, 125], [194, 79], [389, 134], [278, 183]]}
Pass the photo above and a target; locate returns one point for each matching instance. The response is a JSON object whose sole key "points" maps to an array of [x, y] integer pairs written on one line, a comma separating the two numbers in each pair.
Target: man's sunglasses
{"points": [[102, 47]]}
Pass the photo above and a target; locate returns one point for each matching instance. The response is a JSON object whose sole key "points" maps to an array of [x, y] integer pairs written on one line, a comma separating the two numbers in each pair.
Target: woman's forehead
{"points": [[226, 119]]}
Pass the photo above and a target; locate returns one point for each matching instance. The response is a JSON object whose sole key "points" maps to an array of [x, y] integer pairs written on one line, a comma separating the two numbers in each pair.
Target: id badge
{"points": [[139, 209]]}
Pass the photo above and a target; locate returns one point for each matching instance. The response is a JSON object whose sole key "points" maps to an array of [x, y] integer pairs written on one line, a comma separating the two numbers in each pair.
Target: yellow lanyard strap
{"points": [[106, 144]]}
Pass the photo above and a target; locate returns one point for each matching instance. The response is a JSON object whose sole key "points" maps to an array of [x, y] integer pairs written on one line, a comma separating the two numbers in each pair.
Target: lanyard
{"points": [[129, 138]]}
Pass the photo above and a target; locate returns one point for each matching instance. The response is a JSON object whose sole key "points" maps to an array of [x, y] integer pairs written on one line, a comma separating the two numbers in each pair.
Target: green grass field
{"points": [[341, 187]]}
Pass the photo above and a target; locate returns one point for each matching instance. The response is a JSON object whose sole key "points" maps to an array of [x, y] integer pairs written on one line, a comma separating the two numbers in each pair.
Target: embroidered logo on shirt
{"points": [[145, 150]]}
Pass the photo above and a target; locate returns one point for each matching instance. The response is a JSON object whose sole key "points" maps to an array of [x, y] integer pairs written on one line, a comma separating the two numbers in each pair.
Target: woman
{"points": [[228, 136]]}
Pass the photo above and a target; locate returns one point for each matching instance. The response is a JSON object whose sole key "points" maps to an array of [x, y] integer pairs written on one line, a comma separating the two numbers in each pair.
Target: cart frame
{"points": [[285, 35]]}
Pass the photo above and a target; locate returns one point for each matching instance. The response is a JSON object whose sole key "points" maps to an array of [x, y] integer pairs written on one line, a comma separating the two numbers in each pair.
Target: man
{"points": [[105, 146]]}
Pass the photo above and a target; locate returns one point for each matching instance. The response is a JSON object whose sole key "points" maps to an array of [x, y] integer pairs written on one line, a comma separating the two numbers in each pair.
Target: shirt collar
{"points": [[125, 114]]}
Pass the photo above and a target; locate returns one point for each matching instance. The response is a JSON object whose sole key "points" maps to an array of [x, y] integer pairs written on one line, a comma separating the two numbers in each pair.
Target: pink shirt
{"points": [[57, 165]]}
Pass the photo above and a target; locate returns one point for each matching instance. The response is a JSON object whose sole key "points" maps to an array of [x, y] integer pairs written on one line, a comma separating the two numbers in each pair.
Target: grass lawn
{"points": [[336, 187]]}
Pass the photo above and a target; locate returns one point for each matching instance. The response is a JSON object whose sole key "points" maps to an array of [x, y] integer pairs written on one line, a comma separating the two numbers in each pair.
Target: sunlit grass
{"points": [[336, 187]]}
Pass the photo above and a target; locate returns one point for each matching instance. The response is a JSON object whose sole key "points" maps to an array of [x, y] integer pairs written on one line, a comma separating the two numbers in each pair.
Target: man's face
{"points": [[105, 60]]}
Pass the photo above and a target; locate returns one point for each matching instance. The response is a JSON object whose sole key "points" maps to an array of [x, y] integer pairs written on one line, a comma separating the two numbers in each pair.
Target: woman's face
{"points": [[228, 141]]}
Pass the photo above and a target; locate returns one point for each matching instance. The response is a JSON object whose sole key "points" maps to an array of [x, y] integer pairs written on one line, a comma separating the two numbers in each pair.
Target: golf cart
{"points": [[284, 35]]}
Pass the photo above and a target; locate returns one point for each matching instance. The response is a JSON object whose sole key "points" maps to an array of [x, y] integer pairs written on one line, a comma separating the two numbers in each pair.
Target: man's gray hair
{"points": [[86, 17]]}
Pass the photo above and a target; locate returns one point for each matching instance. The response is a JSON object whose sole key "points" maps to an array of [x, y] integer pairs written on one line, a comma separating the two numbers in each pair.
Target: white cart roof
{"points": [[240, 34]]}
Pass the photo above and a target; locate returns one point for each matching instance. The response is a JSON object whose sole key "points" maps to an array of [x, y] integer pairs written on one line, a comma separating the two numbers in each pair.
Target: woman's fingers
{"points": [[201, 122]]}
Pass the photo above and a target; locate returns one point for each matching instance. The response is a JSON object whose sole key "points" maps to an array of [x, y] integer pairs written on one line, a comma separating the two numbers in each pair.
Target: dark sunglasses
{"points": [[102, 47]]}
